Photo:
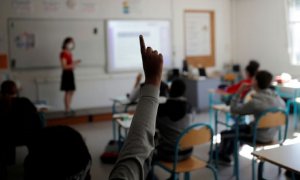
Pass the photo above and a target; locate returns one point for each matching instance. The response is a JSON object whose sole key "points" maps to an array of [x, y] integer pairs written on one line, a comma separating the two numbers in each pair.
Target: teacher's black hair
{"points": [[67, 40]]}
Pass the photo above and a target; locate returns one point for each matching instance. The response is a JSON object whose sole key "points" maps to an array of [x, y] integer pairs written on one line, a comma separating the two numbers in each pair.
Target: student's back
{"points": [[173, 117], [18, 121], [58, 153], [264, 99], [19, 118]]}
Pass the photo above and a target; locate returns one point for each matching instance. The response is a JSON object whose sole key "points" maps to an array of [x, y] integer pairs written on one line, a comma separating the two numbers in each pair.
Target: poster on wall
{"points": [[25, 40], [197, 34], [132, 6], [88, 6], [22, 6], [199, 31], [71, 4], [3, 61], [52, 5]]}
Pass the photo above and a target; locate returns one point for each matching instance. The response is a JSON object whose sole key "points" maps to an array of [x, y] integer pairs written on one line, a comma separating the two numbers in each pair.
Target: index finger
{"points": [[142, 44]]}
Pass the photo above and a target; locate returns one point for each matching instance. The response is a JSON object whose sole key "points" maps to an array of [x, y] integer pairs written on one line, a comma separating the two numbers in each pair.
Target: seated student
{"points": [[250, 71], [57, 152], [173, 117], [264, 99], [19, 120], [134, 94], [135, 157]]}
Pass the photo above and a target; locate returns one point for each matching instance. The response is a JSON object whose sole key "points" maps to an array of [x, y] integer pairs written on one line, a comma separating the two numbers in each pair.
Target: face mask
{"points": [[71, 46]]}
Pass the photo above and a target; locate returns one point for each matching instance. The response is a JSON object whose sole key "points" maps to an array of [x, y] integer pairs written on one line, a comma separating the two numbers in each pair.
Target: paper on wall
{"points": [[198, 33], [22, 6]]}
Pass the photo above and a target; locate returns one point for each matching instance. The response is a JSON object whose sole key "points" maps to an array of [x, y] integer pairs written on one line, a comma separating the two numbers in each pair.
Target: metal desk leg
{"points": [[236, 151], [260, 170], [119, 138], [216, 122], [113, 121], [216, 133], [211, 111]]}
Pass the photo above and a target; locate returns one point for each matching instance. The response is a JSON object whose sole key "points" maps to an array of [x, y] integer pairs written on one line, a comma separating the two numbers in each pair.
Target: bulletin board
{"points": [[199, 29]]}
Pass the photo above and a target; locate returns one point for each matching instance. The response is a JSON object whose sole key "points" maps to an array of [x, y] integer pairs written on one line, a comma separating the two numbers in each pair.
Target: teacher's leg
{"points": [[71, 93], [66, 97], [67, 100]]}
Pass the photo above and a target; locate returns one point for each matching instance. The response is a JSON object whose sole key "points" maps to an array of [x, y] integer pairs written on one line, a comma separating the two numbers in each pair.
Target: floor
{"points": [[97, 135]]}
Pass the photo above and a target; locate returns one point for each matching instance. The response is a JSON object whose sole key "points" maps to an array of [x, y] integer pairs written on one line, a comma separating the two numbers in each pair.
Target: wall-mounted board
{"points": [[199, 26], [123, 48], [36, 43]]}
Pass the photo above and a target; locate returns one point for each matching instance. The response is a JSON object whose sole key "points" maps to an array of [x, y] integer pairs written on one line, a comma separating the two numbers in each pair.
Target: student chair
{"points": [[271, 118], [196, 134], [292, 100]]}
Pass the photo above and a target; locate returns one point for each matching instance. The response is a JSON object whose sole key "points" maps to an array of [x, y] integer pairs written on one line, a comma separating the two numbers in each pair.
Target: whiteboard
{"points": [[123, 48], [37, 43]]}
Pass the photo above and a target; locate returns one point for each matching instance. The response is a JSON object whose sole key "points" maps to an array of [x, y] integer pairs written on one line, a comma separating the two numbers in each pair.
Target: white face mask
{"points": [[71, 46]]}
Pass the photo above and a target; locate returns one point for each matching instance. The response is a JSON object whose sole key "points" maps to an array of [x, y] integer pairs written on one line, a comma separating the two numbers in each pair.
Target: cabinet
{"points": [[197, 92]]}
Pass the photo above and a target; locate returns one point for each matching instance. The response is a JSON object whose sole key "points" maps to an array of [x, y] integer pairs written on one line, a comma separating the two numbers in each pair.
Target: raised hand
{"points": [[152, 64]]}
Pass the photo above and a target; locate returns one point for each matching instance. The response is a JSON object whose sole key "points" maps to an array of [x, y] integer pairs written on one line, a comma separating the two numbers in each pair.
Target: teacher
{"points": [[67, 78]]}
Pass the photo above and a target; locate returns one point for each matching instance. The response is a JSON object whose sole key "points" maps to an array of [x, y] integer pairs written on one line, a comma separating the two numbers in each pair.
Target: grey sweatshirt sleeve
{"points": [[140, 140], [242, 109]]}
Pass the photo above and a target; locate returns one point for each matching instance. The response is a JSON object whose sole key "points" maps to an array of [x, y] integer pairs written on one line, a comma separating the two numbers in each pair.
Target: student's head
{"points": [[164, 89], [177, 88], [262, 80], [252, 68], [68, 44], [57, 153], [9, 88]]}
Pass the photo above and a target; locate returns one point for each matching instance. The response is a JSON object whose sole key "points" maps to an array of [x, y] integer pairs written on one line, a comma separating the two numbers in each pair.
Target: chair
{"points": [[271, 118], [292, 99], [196, 134]]}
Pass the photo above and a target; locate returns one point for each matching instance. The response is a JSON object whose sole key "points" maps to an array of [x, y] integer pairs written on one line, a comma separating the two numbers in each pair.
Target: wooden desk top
{"points": [[124, 100], [283, 156], [292, 84], [222, 108], [124, 123]]}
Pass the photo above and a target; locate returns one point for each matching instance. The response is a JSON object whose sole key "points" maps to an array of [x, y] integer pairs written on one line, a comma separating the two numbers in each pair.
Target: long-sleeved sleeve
{"points": [[139, 144], [242, 109]]}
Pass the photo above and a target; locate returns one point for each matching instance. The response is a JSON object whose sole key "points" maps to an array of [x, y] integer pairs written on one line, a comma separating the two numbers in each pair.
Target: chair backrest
{"points": [[272, 119], [195, 137]]}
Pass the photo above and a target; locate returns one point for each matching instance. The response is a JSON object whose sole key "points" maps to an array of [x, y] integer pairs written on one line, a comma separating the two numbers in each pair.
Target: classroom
{"points": [[84, 97]]}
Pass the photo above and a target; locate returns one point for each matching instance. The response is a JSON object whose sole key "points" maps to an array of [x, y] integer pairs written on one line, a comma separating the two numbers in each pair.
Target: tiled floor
{"points": [[98, 134]]}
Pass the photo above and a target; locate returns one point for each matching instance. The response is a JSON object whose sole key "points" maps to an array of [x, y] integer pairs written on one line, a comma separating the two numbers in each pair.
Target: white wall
{"points": [[260, 32], [94, 86]]}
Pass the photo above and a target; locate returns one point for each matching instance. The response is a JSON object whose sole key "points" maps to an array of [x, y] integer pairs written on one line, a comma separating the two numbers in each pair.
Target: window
{"points": [[294, 29]]}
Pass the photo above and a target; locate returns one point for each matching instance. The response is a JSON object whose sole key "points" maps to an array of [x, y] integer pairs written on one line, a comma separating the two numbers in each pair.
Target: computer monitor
{"points": [[202, 72], [236, 68], [185, 66]]}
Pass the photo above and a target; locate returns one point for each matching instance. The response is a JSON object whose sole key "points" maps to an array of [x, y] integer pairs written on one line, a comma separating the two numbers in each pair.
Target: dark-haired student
{"points": [[172, 118], [133, 96], [135, 157], [19, 120], [57, 152], [250, 71], [264, 99]]}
